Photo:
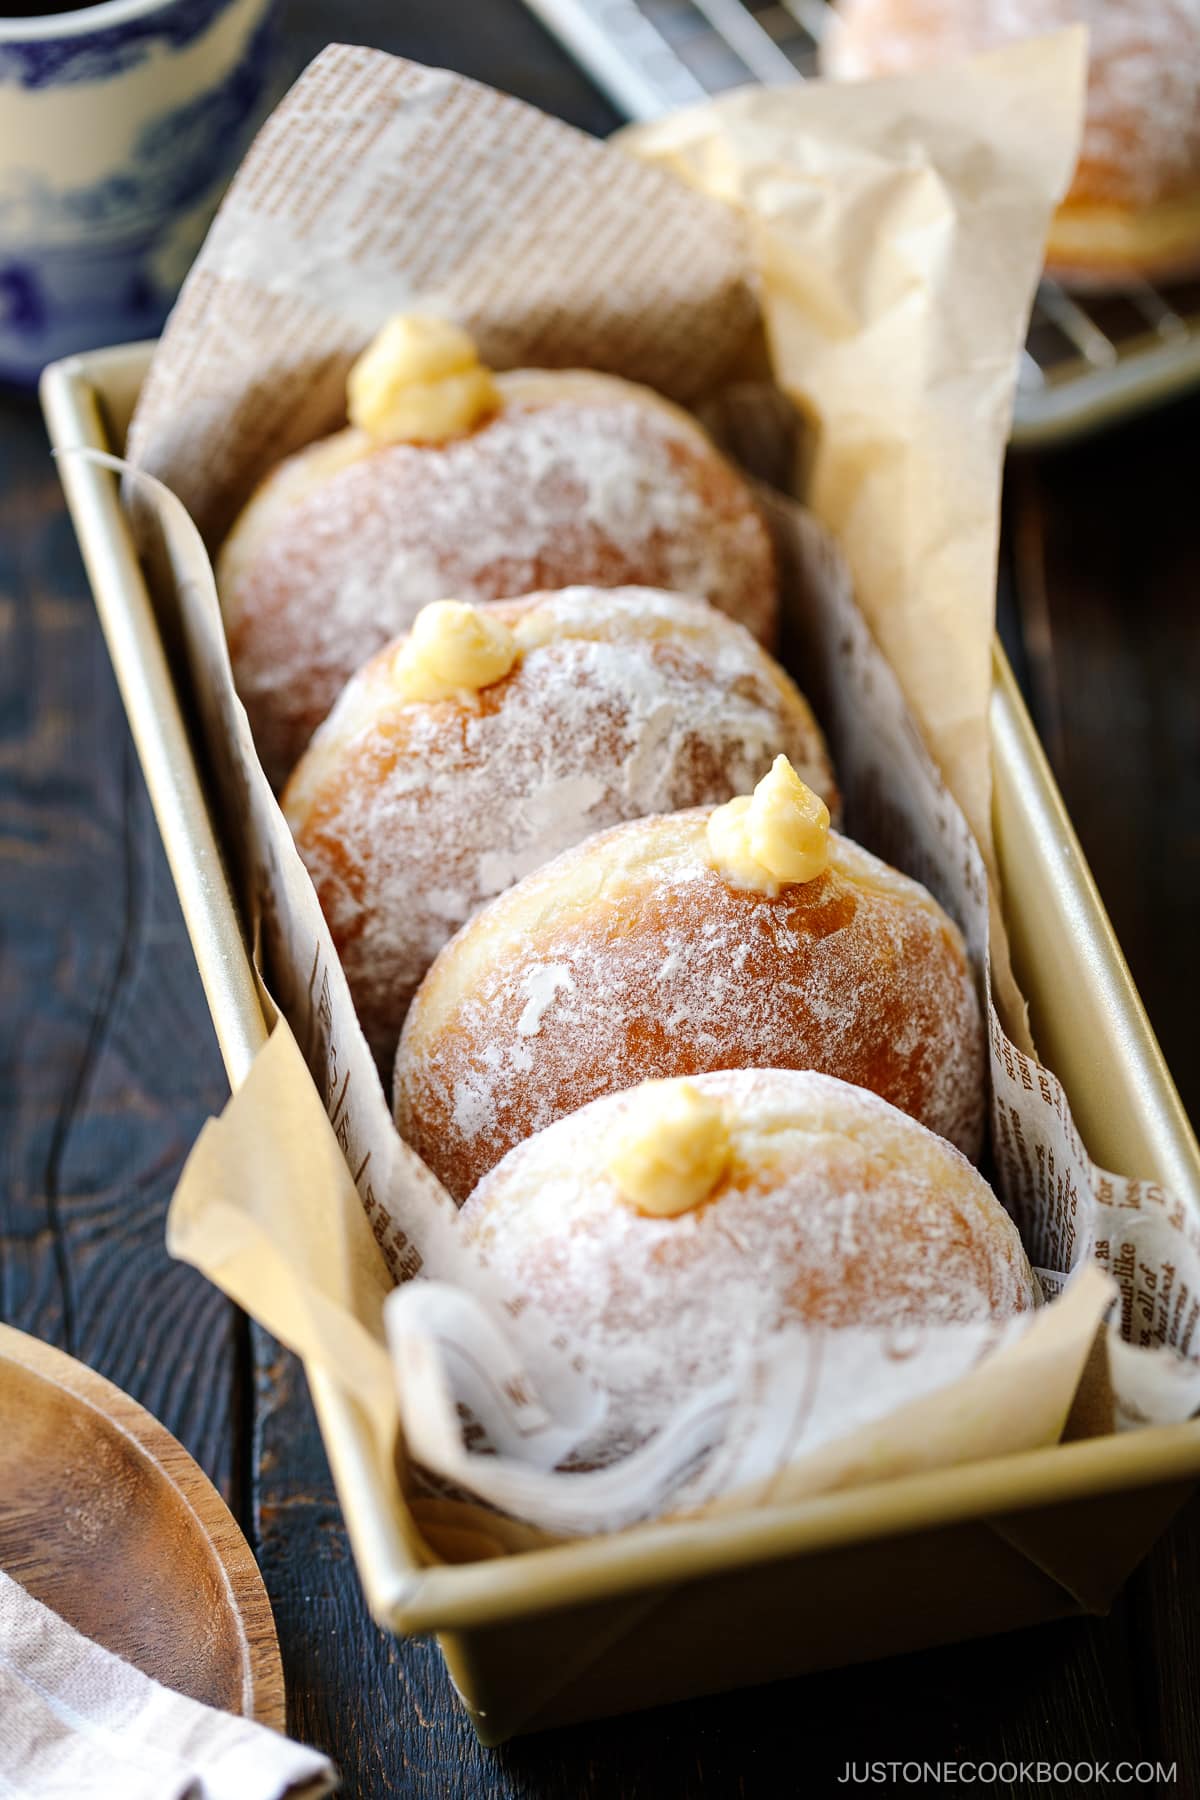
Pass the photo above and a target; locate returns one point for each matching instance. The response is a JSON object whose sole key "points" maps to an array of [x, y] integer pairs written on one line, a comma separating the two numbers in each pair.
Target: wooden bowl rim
{"points": [[262, 1669]]}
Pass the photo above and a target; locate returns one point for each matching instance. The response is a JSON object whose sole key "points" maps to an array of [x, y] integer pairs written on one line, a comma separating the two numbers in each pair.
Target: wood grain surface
{"points": [[110, 1066], [105, 1518]]}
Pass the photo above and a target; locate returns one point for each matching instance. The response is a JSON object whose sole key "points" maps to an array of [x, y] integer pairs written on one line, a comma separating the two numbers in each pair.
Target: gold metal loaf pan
{"points": [[580, 1631]]}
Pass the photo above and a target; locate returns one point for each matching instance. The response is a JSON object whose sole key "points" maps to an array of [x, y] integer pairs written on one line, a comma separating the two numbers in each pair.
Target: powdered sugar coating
{"points": [[836, 1210], [579, 478], [630, 957], [1141, 142], [410, 815]]}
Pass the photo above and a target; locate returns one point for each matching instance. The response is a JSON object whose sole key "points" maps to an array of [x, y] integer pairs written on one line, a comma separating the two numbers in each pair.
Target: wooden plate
{"points": [[105, 1518]]}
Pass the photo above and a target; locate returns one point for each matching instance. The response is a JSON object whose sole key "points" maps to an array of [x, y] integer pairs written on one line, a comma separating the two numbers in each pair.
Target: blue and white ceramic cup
{"points": [[120, 125]]}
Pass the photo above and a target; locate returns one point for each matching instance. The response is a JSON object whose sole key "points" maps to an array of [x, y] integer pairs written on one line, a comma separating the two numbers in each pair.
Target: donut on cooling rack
{"points": [[671, 1226], [1134, 205], [493, 736], [452, 481], [743, 936]]}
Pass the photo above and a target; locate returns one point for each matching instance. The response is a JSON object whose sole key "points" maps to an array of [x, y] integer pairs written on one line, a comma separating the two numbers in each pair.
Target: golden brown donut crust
{"points": [[835, 1210], [630, 957], [410, 815], [580, 479]]}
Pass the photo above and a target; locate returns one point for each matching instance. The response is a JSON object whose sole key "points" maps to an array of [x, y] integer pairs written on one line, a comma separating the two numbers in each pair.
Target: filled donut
{"points": [[745, 936], [672, 1227], [473, 750], [1133, 208], [451, 481]]}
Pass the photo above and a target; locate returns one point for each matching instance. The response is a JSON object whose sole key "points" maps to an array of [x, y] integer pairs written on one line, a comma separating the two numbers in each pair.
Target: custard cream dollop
{"points": [[419, 381], [452, 650], [673, 1149], [773, 838]]}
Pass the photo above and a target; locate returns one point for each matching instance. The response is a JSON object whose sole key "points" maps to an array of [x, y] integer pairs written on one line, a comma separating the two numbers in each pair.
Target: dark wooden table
{"points": [[109, 1067]]}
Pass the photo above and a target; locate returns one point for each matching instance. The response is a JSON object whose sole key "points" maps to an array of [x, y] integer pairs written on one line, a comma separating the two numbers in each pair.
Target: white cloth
{"points": [[78, 1723]]}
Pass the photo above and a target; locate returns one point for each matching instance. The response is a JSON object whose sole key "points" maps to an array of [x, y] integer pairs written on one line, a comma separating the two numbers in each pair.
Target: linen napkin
{"points": [[78, 1723]]}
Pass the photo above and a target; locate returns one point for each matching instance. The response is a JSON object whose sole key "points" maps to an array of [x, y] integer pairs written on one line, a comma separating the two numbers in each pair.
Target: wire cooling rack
{"points": [[1089, 358]]}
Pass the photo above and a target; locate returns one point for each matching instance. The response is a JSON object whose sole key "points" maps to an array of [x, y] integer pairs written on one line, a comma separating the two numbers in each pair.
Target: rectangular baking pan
{"points": [[668, 1611]]}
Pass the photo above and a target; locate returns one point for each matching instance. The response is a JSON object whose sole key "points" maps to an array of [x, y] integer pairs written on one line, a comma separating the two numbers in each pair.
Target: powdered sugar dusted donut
{"points": [[563, 713], [1134, 204], [570, 478], [804, 1202], [646, 952]]}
